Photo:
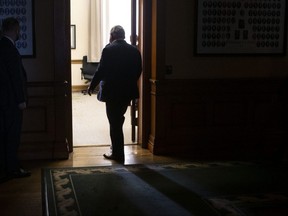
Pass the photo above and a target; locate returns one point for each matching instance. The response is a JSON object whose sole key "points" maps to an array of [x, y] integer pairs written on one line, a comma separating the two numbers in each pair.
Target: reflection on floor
{"points": [[90, 124]]}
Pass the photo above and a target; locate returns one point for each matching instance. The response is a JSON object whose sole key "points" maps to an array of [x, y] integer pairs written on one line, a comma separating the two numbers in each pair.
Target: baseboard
{"points": [[79, 88]]}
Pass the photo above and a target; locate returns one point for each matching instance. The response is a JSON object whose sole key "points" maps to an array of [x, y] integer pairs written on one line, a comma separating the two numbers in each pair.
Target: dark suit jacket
{"points": [[118, 72], [13, 77]]}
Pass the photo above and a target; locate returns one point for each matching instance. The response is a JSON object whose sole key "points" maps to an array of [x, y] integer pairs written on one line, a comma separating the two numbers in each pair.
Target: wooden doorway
{"points": [[144, 44]]}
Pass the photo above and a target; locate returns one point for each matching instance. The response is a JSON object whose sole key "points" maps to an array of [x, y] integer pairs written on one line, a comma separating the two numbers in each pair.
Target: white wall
{"points": [[119, 13], [79, 17]]}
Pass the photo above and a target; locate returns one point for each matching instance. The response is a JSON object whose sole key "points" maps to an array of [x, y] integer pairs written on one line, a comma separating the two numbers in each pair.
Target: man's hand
{"points": [[22, 106]]}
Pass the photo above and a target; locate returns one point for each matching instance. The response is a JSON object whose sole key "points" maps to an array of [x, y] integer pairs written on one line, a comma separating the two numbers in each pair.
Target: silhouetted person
{"points": [[13, 97], [117, 75]]}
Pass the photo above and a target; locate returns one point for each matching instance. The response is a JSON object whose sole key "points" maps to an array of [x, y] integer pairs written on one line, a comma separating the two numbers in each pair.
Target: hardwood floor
{"points": [[23, 196]]}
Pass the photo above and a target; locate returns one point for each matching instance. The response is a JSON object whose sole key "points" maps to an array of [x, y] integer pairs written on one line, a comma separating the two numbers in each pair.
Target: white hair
{"points": [[118, 32]]}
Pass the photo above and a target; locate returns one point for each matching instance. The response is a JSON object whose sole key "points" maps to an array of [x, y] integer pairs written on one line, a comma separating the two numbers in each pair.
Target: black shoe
{"points": [[21, 173], [114, 157]]}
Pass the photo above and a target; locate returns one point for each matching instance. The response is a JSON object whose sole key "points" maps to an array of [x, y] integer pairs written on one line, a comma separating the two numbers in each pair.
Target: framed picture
{"points": [[73, 36], [24, 12], [241, 27]]}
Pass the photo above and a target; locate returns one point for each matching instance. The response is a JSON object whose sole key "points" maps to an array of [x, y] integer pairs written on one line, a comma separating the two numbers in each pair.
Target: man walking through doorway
{"points": [[117, 75]]}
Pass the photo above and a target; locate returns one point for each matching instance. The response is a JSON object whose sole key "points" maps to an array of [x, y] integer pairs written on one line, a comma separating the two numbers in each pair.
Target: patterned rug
{"points": [[269, 204], [163, 189]]}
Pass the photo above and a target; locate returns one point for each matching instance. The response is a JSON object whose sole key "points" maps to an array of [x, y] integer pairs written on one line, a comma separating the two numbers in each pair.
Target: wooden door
{"points": [[62, 83]]}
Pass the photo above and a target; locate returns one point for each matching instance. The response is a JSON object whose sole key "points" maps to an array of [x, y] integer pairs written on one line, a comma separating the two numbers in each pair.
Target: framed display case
{"points": [[23, 11], [241, 26]]}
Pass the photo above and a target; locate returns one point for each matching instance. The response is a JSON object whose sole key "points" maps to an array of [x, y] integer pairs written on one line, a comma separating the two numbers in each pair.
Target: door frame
{"points": [[63, 97], [144, 45], [62, 79]]}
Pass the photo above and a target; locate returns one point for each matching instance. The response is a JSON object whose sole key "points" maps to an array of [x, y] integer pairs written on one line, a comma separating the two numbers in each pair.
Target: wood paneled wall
{"points": [[218, 119]]}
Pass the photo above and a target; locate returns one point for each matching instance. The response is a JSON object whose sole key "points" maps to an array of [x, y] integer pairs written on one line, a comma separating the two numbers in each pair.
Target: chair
{"points": [[87, 71]]}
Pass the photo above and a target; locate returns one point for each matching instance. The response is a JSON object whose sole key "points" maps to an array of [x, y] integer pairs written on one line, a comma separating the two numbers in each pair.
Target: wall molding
{"points": [[79, 88]]}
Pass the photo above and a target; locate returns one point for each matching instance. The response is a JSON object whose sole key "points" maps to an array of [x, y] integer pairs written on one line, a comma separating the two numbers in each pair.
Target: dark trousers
{"points": [[115, 112], [10, 137]]}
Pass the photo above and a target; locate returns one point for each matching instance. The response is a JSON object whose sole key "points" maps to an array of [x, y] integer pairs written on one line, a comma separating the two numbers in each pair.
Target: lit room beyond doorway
{"points": [[90, 123]]}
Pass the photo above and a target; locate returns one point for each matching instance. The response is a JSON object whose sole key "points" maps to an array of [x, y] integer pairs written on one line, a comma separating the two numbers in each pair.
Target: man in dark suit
{"points": [[117, 75], [13, 97]]}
